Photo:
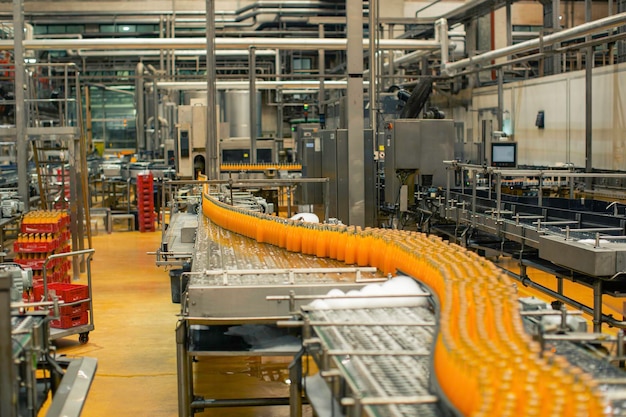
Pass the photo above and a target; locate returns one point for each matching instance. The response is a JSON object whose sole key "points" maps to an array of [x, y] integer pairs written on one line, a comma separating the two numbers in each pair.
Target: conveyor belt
{"points": [[217, 292], [387, 378], [481, 331], [219, 248]]}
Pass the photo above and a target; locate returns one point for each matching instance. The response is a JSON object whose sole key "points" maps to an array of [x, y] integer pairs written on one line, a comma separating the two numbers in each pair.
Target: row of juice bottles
{"points": [[36, 237], [485, 362], [260, 166], [45, 217]]}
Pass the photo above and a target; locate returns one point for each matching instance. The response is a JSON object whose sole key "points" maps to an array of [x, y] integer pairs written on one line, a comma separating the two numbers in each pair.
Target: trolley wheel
{"points": [[83, 338]]}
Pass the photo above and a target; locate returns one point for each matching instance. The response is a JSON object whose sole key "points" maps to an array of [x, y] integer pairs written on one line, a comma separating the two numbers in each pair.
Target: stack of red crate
{"points": [[44, 233], [75, 312], [145, 202]]}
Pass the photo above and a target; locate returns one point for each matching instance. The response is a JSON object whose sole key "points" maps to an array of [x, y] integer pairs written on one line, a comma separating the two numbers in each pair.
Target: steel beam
{"points": [[356, 136], [7, 370], [253, 104], [212, 168], [21, 138]]}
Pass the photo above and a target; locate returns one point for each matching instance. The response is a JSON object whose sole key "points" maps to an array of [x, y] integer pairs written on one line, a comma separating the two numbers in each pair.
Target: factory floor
{"points": [[134, 340]]}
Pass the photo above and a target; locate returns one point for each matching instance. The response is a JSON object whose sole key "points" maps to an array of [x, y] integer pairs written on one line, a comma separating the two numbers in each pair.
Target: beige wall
{"points": [[562, 98]]}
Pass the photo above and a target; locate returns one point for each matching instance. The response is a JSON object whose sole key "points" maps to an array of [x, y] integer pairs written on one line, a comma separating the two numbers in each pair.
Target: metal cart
{"points": [[84, 329]]}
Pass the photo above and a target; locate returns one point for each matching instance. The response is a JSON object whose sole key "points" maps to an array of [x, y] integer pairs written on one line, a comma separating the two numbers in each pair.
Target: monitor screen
{"points": [[504, 154]]}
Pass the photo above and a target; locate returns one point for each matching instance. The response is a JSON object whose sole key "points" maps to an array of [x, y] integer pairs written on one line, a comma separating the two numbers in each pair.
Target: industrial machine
{"points": [[414, 153], [29, 371], [237, 151], [334, 166], [190, 146], [309, 155]]}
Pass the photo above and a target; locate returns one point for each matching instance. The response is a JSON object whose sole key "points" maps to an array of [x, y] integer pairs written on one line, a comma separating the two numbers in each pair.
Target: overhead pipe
{"points": [[303, 44], [139, 105], [156, 52], [227, 18], [582, 30], [260, 85], [253, 106]]}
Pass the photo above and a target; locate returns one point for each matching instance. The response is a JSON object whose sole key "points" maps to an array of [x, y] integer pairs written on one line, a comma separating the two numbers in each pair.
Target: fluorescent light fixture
{"points": [[125, 28]]}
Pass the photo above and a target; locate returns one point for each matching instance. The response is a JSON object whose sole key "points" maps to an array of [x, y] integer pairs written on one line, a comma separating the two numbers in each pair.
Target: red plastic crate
{"points": [[75, 309], [41, 227], [35, 247], [66, 292], [67, 322]]}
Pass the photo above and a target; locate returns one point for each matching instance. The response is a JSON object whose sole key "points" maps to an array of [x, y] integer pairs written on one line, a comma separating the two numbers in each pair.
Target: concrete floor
{"points": [[135, 346], [134, 340]]}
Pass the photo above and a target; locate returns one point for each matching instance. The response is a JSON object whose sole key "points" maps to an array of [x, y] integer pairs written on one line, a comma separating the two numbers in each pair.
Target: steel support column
{"points": [[597, 306], [500, 73], [588, 99], [321, 56], [373, 67], [20, 109], [253, 103], [184, 370], [356, 166], [140, 118], [212, 153], [7, 370]]}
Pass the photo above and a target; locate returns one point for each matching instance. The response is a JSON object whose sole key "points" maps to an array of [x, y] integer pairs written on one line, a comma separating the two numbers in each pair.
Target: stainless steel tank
{"points": [[237, 113]]}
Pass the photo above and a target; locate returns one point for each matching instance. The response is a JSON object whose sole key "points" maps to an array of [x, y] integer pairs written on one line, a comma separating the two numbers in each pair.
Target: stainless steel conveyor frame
{"points": [[236, 281], [585, 248]]}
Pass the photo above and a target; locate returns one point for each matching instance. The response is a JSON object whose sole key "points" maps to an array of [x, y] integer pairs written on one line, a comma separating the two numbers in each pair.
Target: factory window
{"points": [[526, 28], [58, 29], [302, 65], [129, 28], [113, 118]]}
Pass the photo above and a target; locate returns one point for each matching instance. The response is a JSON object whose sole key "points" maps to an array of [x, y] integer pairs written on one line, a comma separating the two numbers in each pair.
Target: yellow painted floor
{"points": [[135, 345]]}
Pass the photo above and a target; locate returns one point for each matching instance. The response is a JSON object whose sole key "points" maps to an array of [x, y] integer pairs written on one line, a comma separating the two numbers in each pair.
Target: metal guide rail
{"points": [[383, 354]]}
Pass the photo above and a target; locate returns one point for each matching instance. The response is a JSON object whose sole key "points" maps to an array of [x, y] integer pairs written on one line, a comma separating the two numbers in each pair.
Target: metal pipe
{"points": [[564, 35], [184, 371], [303, 44], [212, 168], [260, 85], [390, 59], [597, 306], [153, 144], [238, 402], [139, 105], [500, 73], [321, 56], [588, 112], [180, 53], [373, 73], [20, 110], [253, 107], [441, 36]]}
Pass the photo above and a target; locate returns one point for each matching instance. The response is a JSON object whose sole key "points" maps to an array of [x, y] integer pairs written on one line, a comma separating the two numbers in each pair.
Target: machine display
{"points": [[504, 154]]}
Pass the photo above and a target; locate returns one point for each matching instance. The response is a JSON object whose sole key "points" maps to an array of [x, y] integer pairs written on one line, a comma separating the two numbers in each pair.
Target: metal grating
{"points": [[392, 377]]}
